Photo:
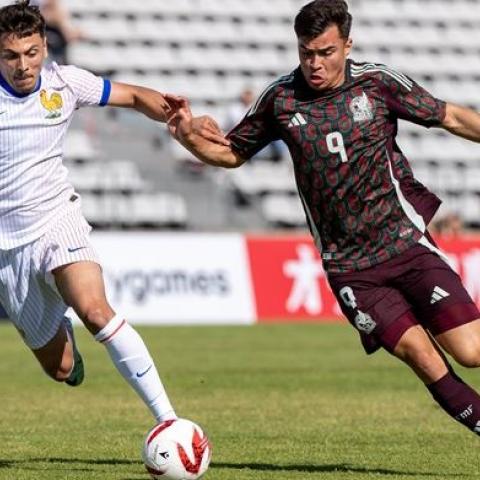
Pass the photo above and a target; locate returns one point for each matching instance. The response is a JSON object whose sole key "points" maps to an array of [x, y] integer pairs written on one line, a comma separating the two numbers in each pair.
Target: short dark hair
{"points": [[22, 20], [315, 17]]}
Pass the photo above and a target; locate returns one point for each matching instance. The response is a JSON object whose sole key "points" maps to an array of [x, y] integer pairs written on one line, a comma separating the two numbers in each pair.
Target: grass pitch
{"points": [[281, 402]]}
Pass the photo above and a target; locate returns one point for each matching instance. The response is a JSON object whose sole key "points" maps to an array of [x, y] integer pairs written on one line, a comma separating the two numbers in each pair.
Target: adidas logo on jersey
{"points": [[297, 120], [438, 294]]}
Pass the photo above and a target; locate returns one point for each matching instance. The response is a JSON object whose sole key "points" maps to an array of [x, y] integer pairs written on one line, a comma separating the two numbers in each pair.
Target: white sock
{"points": [[132, 359]]}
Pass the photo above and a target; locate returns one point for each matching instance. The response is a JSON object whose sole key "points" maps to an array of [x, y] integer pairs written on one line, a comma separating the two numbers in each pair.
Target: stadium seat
{"points": [[156, 210], [173, 9], [107, 30], [78, 147], [283, 210], [450, 179], [124, 176], [87, 178], [472, 181], [262, 177], [469, 209], [97, 211], [374, 10], [211, 49]]}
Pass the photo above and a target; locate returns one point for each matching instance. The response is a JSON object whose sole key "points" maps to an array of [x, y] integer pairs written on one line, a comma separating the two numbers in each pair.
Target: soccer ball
{"points": [[176, 450]]}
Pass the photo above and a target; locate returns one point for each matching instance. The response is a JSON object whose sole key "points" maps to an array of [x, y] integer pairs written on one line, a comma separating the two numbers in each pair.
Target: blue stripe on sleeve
{"points": [[107, 88]]}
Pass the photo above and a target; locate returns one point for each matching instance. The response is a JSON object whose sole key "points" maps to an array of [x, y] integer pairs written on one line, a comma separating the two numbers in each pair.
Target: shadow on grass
{"points": [[83, 464], [331, 468], [341, 467]]}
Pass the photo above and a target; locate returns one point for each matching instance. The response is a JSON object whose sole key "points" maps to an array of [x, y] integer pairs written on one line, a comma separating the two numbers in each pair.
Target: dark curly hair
{"points": [[315, 17], [22, 20]]}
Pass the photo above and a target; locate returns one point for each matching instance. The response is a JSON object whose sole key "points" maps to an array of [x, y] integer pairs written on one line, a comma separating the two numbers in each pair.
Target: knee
{"points": [[468, 356], [61, 372], [96, 315], [427, 363]]}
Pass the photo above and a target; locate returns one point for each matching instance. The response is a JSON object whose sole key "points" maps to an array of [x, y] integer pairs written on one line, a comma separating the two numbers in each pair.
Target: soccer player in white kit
{"points": [[46, 260]]}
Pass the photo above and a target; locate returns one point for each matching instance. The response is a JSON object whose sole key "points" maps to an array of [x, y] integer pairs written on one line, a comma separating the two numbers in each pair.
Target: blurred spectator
{"points": [[450, 225], [60, 30], [237, 110]]}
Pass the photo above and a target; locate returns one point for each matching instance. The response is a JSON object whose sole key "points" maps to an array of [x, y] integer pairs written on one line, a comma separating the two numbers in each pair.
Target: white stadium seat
{"points": [[156, 209], [101, 29], [472, 181], [469, 208], [204, 49], [261, 177], [283, 210], [79, 147]]}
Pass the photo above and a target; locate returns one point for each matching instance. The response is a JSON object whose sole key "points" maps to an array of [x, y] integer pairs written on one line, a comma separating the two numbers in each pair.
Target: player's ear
{"points": [[45, 47], [348, 46]]}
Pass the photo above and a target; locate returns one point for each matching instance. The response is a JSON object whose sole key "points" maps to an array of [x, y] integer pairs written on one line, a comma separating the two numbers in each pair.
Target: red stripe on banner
{"points": [[114, 332], [163, 426]]}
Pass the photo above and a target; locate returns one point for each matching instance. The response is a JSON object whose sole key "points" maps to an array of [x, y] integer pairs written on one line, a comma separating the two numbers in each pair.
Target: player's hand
{"points": [[179, 116], [209, 129], [182, 124]]}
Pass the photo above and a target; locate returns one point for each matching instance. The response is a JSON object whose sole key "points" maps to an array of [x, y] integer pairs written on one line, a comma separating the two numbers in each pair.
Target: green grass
{"points": [[281, 402]]}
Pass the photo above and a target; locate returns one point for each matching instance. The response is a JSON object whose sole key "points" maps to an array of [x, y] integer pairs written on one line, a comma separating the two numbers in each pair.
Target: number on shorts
{"points": [[348, 298]]}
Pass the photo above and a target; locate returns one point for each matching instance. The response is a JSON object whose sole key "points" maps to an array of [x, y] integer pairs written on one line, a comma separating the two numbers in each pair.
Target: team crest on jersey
{"points": [[361, 108], [364, 322], [52, 103]]}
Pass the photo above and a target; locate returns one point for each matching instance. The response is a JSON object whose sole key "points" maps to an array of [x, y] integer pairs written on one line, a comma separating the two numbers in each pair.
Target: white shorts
{"points": [[27, 288]]}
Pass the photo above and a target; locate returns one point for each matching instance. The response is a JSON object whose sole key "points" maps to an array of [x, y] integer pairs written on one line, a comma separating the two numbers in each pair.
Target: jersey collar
{"points": [[7, 87]]}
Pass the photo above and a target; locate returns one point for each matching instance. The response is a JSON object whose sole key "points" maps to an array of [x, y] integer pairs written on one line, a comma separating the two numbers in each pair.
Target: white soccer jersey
{"points": [[33, 181]]}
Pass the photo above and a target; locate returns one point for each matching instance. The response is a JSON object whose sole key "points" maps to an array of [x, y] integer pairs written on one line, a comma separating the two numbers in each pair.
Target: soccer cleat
{"points": [[78, 372]]}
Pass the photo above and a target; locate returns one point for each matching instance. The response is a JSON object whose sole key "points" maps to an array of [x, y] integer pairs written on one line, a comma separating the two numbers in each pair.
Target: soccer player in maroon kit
{"points": [[366, 212]]}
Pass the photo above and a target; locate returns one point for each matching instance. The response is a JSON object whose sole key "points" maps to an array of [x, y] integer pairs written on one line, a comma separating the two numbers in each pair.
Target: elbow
{"points": [[232, 164], [219, 162], [224, 159], [235, 160]]}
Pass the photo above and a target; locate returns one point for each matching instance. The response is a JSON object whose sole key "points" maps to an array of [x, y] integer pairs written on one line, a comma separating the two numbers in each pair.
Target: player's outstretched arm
{"points": [[194, 133], [462, 121], [153, 104], [145, 100]]}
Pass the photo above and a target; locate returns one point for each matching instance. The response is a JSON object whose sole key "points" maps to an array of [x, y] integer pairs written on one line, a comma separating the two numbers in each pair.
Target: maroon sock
{"points": [[459, 400]]}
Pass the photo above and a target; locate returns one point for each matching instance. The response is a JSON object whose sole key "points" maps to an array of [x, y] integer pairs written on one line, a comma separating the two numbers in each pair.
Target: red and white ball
{"points": [[176, 450]]}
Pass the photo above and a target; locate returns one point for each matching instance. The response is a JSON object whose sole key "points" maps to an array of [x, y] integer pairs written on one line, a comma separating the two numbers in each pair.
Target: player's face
{"points": [[322, 59], [21, 60]]}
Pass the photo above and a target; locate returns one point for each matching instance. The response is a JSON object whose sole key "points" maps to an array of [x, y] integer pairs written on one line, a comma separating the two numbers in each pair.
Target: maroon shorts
{"points": [[415, 287]]}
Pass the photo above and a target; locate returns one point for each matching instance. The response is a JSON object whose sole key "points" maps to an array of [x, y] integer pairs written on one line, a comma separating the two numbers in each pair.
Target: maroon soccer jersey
{"points": [[362, 204]]}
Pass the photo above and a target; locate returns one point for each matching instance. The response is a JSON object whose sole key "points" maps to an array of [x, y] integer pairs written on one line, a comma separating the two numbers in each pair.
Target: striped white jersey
{"points": [[33, 180]]}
